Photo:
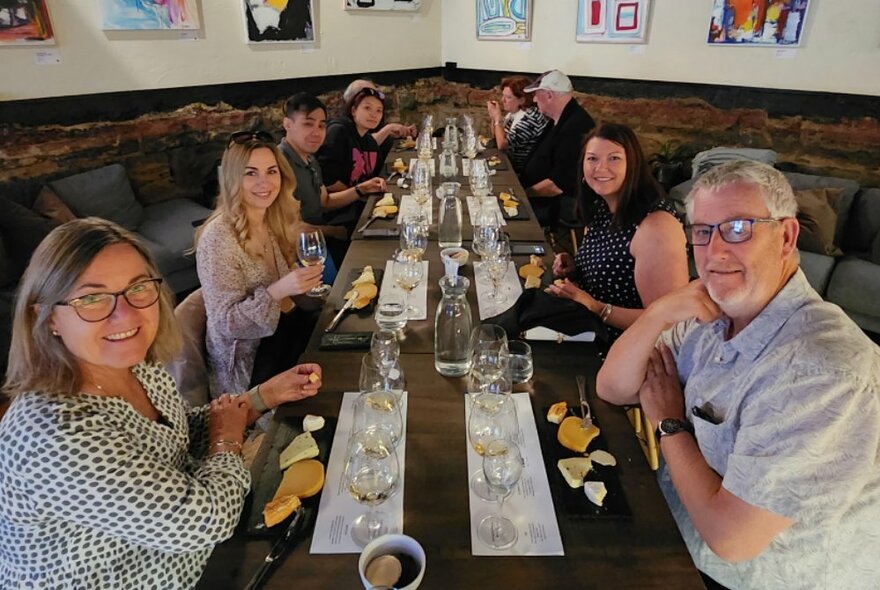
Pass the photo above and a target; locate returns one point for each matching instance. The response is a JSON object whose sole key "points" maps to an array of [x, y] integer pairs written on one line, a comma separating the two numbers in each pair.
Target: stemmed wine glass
{"points": [[502, 467], [408, 274], [415, 232], [492, 417], [490, 356], [496, 262], [371, 473], [311, 249], [372, 379], [385, 350], [421, 177], [379, 409]]}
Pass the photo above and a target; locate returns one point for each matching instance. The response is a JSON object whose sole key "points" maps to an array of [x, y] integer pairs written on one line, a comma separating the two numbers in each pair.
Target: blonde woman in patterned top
{"points": [[106, 480], [246, 260]]}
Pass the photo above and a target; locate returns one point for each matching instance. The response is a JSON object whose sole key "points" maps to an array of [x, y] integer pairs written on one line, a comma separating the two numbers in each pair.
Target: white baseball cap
{"points": [[553, 80]]}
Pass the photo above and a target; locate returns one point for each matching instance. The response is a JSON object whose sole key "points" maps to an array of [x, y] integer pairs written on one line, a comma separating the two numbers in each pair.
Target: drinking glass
{"points": [[486, 231], [378, 409], [373, 379], [428, 124], [408, 274], [311, 249], [490, 359], [385, 350], [502, 467], [421, 177], [521, 365], [448, 167], [391, 311], [492, 417], [424, 145], [372, 473], [414, 232], [479, 178]]}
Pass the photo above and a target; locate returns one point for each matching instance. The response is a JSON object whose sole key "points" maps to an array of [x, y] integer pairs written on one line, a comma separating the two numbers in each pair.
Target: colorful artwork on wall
{"points": [[25, 22], [129, 15], [504, 20], [409, 5], [279, 21], [612, 21], [758, 22]]}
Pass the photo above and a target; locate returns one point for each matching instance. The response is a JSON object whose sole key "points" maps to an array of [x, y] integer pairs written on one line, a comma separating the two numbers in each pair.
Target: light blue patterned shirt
{"points": [[797, 397]]}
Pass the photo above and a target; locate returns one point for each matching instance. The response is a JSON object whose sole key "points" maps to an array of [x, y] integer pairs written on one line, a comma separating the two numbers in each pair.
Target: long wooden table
{"points": [[645, 551]]}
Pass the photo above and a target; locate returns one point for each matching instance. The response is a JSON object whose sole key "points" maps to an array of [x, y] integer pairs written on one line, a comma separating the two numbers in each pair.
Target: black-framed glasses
{"points": [[367, 91], [733, 231], [242, 137], [96, 307]]}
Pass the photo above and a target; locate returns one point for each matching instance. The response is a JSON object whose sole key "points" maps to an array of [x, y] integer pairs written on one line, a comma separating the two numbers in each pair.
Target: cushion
{"points": [[850, 188], [104, 193], [170, 224], [864, 221], [875, 250], [817, 215], [710, 158], [49, 204], [7, 267], [855, 286], [189, 369], [22, 232]]}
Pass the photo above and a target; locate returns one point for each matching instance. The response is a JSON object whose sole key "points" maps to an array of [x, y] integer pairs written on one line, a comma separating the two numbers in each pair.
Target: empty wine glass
{"points": [[373, 379], [469, 145], [421, 177], [448, 166], [372, 472], [502, 467], [408, 274], [311, 249], [479, 178], [492, 417], [385, 350], [424, 145], [391, 311], [414, 232], [379, 409]]}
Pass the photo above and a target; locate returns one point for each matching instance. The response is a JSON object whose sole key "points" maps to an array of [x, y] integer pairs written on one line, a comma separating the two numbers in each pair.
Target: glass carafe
{"points": [[450, 135], [449, 228], [452, 328], [448, 163]]}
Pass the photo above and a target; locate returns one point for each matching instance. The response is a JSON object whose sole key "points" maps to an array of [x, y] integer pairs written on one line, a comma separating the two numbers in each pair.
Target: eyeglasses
{"points": [[367, 91], [96, 307], [242, 137], [733, 231]]}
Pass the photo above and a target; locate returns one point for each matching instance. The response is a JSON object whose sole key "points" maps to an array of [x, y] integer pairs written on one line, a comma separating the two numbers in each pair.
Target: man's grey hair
{"points": [[355, 86], [776, 190]]}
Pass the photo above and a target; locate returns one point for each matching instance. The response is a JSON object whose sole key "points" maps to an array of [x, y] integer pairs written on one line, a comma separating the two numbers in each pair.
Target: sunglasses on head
{"points": [[371, 92], [242, 137]]}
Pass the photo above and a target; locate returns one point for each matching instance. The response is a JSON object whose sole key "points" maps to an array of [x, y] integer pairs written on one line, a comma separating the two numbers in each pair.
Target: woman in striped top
{"points": [[519, 131]]}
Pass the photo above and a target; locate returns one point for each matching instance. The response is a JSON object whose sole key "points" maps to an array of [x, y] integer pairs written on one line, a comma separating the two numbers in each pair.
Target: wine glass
{"points": [[379, 409], [414, 232], [479, 178], [492, 417], [373, 379], [496, 262], [424, 145], [385, 350], [311, 249], [469, 145], [408, 274], [371, 474], [421, 177], [502, 467], [391, 311]]}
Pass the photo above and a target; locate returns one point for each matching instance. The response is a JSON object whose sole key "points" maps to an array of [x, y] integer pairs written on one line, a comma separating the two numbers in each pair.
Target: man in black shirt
{"points": [[552, 172]]}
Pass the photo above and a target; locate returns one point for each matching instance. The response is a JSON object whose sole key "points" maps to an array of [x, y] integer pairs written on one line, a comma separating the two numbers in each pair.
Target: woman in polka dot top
{"points": [[634, 248], [106, 480]]}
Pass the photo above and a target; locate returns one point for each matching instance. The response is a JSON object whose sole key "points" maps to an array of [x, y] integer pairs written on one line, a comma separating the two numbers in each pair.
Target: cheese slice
{"points": [[572, 436], [530, 269], [558, 410], [367, 276], [511, 211], [603, 458], [574, 469], [595, 491], [533, 282], [388, 199], [303, 480], [311, 423], [536, 260], [302, 447]]}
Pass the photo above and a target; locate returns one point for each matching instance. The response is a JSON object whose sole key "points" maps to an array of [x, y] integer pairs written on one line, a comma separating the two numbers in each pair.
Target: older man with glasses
{"points": [[765, 397]]}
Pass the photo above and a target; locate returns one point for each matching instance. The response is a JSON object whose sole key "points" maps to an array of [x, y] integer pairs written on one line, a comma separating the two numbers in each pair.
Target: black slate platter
{"points": [[352, 276], [266, 472], [573, 500]]}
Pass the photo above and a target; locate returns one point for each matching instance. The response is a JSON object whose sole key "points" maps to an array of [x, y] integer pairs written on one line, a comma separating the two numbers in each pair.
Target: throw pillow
{"points": [[189, 368], [22, 230], [817, 214], [875, 249], [104, 193], [7, 268], [49, 204]]}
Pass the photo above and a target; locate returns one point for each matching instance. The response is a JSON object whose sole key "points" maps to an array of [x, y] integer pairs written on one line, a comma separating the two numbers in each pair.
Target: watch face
{"points": [[671, 426]]}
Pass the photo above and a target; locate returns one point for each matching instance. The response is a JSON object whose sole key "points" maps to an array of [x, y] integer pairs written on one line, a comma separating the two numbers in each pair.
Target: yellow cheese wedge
{"points": [[530, 269], [311, 423], [595, 491], [278, 510], [536, 260], [364, 291], [574, 469], [572, 436], [603, 458], [367, 276], [385, 211], [313, 377], [399, 165], [533, 282], [303, 480], [558, 410], [388, 199], [302, 447]]}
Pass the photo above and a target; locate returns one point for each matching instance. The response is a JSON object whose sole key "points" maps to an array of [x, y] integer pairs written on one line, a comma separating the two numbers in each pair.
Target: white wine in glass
{"points": [[408, 274], [311, 249], [502, 468], [371, 474]]}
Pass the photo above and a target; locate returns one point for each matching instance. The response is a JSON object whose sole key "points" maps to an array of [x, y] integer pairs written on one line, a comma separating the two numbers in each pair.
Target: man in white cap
{"points": [[552, 170]]}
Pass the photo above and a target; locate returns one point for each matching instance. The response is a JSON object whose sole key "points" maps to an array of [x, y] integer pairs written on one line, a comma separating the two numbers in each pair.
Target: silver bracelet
{"points": [[258, 404]]}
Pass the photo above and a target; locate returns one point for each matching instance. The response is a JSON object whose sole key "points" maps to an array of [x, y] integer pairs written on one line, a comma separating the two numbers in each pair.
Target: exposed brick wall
{"points": [[31, 155]]}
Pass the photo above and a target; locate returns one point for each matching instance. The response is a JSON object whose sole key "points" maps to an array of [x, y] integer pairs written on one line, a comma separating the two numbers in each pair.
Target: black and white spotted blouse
{"points": [[95, 495], [604, 266]]}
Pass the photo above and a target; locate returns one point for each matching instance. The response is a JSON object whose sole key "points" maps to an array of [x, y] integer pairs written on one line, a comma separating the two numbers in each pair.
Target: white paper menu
{"points": [[419, 296], [530, 506], [509, 283], [338, 509]]}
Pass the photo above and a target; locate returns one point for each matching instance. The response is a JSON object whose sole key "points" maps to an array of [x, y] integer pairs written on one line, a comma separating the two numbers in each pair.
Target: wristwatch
{"points": [[670, 426]]}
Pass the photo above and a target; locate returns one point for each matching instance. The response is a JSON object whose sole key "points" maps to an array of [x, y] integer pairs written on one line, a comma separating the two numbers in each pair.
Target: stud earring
{"points": [[55, 333]]}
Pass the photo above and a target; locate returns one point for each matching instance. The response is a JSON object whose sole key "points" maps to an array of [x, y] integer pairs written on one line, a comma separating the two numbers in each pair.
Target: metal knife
{"points": [[586, 416], [372, 218], [278, 549], [333, 323]]}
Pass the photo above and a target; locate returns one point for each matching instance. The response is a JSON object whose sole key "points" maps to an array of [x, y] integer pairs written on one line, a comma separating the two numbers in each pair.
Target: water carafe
{"points": [[449, 229], [452, 328]]}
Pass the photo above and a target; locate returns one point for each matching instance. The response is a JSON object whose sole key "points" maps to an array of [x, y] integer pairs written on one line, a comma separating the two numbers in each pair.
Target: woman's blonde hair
{"points": [[282, 216], [38, 360]]}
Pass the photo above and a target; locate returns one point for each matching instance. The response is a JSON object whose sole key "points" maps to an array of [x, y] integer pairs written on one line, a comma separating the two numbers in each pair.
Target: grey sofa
{"points": [[851, 279]]}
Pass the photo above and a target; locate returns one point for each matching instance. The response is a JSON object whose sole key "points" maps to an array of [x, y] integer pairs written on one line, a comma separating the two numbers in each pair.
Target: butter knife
{"points": [[278, 549], [372, 218], [333, 323], [586, 416]]}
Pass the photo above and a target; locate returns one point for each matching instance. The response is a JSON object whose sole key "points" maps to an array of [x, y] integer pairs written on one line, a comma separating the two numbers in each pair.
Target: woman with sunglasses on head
{"points": [[107, 480], [246, 260], [634, 248]]}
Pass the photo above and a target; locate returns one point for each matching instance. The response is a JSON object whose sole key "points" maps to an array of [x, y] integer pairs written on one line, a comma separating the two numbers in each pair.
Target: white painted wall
{"points": [[840, 50], [93, 60]]}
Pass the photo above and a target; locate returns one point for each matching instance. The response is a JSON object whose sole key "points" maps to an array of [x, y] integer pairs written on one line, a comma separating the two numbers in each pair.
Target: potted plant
{"points": [[671, 165]]}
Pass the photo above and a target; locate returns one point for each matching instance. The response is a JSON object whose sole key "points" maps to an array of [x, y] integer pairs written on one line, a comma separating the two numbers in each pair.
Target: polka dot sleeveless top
{"points": [[94, 495], [605, 267]]}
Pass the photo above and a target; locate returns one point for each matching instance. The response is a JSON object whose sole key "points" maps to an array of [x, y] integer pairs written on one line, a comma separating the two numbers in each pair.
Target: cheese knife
{"points": [[335, 321], [586, 416]]}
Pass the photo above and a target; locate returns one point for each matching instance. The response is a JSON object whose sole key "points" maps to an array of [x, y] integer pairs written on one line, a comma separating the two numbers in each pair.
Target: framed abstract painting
{"points": [[504, 20], [612, 21], [25, 22], [150, 15], [756, 23], [376, 5], [279, 21]]}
